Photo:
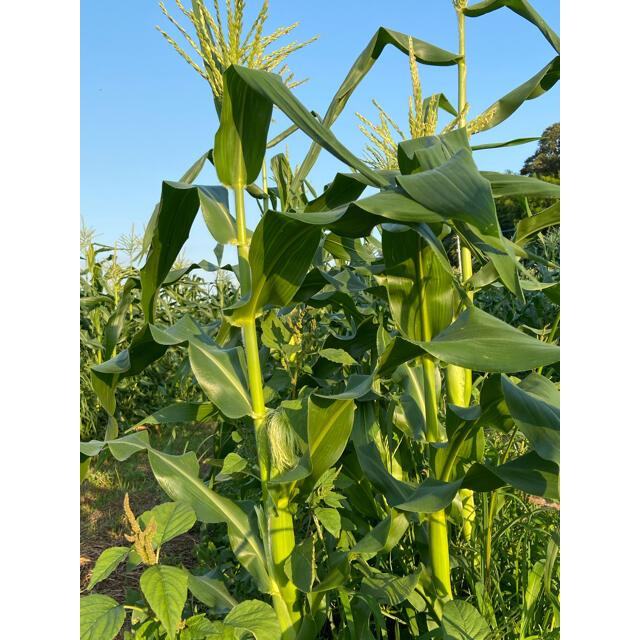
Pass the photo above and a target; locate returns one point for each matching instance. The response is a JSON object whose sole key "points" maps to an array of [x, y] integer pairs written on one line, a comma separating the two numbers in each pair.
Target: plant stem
{"points": [[279, 520], [437, 522]]}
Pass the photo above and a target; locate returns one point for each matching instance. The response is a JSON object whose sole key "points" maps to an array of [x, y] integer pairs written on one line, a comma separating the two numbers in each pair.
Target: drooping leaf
{"points": [[241, 139], [301, 568], [101, 617], [509, 184], [165, 589], [211, 592], [222, 375], [178, 476], [503, 108], [479, 341], [280, 255], [179, 412], [106, 564], [461, 621], [534, 405], [424, 52], [522, 8], [271, 87], [547, 218]]}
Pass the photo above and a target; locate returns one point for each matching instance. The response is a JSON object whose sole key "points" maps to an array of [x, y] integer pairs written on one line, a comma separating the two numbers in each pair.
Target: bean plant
{"points": [[386, 409]]}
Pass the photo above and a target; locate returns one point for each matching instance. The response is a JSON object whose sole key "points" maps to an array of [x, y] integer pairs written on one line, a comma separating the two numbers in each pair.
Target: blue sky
{"points": [[146, 115]]}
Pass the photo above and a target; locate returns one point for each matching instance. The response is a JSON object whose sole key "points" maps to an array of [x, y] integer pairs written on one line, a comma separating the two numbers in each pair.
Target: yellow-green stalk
{"points": [[281, 540]]}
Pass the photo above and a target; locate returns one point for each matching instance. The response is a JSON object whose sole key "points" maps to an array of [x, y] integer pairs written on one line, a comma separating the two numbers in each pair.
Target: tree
{"points": [[546, 160]]}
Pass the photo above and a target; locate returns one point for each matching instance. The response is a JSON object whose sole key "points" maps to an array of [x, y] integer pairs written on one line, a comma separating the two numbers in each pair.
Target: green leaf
{"points": [[479, 341], [165, 589], [179, 412], [191, 174], [395, 354], [256, 617], [123, 448], [300, 569], [330, 520], [233, 463], [106, 564], [340, 356], [222, 375], [547, 218], [425, 53], [534, 405], [503, 108], [374, 540], [211, 592], [172, 518], [329, 424], [101, 617], [534, 585], [529, 473], [271, 87], [387, 588], [421, 296], [455, 189], [178, 476], [461, 621], [214, 203], [509, 185], [280, 254], [498, 145], [178, 207], [241, 139], [522, 8]]}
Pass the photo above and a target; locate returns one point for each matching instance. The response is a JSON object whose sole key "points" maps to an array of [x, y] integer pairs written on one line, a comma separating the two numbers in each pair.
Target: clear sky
{"points": [[146, 115]]}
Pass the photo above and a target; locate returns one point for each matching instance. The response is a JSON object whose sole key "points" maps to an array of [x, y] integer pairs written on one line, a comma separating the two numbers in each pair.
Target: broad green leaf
{"points": [[211, 592], [214, 203], [411, 378], [101, 617], [124, 447], [479, 341], [165, 589], [330, 520], [115, 324], [256, 617], [329, 423], [179, 412], [509, 184], [222, 375], [461, 621], [395, 354], [455, 189], [522, 8], [387, 588], [424, 52], [375, 540], [529, 473], [339, 356], [534, 224], [172, 519], [179, 477], [106, 564], [534, 405], [280, 255], [503, 108], [300, 568], [344, 188], [421, 296], [178, 207], [233, 463], [241, 139], [191, 174], [179, 333], [271, 87]]}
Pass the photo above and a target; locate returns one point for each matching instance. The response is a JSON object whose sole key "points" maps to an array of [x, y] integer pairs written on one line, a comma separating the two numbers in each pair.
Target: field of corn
{"points": [[352, 431]]}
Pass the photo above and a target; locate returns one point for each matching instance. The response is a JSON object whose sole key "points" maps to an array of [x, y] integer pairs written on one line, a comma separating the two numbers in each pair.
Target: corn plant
{"points": [[354, 352]]}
